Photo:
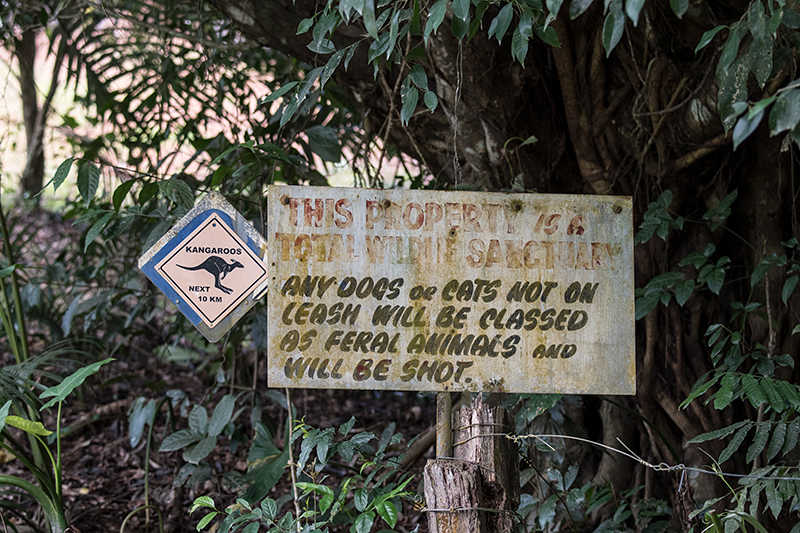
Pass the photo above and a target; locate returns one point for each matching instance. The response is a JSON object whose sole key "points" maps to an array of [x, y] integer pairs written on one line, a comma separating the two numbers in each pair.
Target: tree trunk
{"points": [[32, 178]]}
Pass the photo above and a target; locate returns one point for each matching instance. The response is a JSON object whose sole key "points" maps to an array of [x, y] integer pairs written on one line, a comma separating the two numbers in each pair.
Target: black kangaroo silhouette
{"points": [[217, 267]]}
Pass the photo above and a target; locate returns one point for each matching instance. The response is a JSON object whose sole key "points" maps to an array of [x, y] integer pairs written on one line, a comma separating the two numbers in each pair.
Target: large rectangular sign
{"points": [[434, 290]]}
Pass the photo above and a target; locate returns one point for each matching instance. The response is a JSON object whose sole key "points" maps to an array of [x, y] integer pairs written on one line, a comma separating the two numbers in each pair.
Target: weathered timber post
{"points": [[477, 490]]}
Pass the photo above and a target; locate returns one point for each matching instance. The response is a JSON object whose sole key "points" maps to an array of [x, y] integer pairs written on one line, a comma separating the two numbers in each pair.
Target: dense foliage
{"points": [[692, 108]]}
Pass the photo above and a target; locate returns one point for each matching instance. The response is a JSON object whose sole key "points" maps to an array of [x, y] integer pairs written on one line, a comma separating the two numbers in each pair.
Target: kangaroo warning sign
{"points": [[210, 265], [426, 290]]}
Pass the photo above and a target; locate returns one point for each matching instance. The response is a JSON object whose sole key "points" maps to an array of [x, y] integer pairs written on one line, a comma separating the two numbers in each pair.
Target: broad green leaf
{"points": [[789, 393], [759, 272], [753, 390], [194, 453], [206, 520], [88, 180], [707, 37], [388, 512], [774, 499], [646, 304], [761, 58], [324, 142], [222, 415], [266, 463], [613, 26], [554, 6], [757, 20], [634, 7], [361, 499], [418, 76], [369, 18], [95, 230], [519, 43], [28, 426], [776, 401], [724, 395], [785, 114], [735, 443], [184, 194], [70, 383], [715, 280], [788, 288], [142, 413], [202, 501], [431, 101], [679, 7], [198, 419], [461, 9], [759, 441], [410, 98], [61, 173], [776, 444], [274, 95], [435, 17], [578, 7], [501, 22], [683, 291], [4, 414], [730, 50], [180, 439], [269, 508], [121, 192], [69, 315], [364, 522], [744, 127], [732, 89], [305, 25], [792, 434], [549, 36]]}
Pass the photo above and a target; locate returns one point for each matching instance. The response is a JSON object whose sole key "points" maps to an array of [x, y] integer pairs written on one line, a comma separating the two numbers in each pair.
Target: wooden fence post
{"points": [[477, 490]]}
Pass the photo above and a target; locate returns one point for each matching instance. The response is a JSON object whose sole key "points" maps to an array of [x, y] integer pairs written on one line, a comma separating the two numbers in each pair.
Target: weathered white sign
{"points": [[427, 290]]}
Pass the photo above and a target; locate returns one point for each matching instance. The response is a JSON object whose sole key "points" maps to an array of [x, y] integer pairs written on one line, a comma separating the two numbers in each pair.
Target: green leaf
{"points": [[699, 389], [753, 390], [269, 508], [185, 196], [388, 512], [410, 98], [274, 95], [369, 18], [707, 37], [95, 230], [198, 419], [634, 7], [761, 58], [732, 89], [28, 426], [776, 444], [744, 127], [431, 101], [613, 26], [304, 26], [730, 50], [788, 288], [759, 441], [361, 499], [735, 442], [194, 453], [578, 7], [724, 395], [501, 22], [324, 142], [121, 192], [4, 414], [683, 291], [88, 180], [776, 401], [549, 36], [364, 522], [206, 520], [519, 44], [679, 7], [785, 114], [222, 415], [61, 173], [792, 433], [646, 304], [715, 280], [435, 17], [418, 76], [180, 439], [461, 9], [62, 390], [202, 501]]}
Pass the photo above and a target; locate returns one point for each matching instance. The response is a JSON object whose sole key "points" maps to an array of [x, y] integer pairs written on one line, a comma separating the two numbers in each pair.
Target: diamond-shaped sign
{"points": [[209, 264]]}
